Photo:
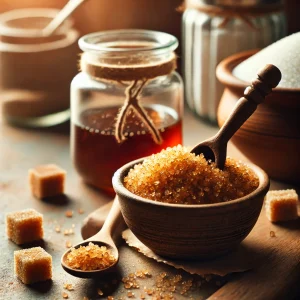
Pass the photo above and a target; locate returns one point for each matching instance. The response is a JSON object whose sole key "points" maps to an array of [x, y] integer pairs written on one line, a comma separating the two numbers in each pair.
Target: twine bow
{"points": [[138, 76]]}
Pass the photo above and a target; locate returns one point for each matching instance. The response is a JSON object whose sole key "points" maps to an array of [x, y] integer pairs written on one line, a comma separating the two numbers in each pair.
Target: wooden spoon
{"points": [[68, 9], [215, 148], [102, 238]]}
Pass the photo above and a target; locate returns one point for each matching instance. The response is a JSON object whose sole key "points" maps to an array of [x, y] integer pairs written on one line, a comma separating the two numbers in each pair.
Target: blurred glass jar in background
{"points": [[216, 29], [36, 71], [127, 102]]}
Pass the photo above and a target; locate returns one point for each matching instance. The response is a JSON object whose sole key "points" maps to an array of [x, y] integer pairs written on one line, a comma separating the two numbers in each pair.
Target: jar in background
{"points": [[216, 29], [127, 103], [36, 71]]}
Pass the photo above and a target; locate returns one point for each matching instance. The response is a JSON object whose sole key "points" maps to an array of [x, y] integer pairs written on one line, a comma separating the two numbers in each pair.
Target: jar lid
{"points": [[241, 3]]}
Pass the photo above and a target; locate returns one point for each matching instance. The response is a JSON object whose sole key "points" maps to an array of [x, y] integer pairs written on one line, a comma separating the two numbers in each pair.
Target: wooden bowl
{"points": [[271, 136], [36, 71], [190, 231]]}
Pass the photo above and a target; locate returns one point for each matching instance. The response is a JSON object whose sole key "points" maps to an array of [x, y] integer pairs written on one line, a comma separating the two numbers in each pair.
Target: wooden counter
{"points": [[21, 149]]}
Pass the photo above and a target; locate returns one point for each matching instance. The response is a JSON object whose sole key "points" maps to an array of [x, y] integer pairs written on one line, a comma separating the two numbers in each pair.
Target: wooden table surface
{"points": [[21, 149]]}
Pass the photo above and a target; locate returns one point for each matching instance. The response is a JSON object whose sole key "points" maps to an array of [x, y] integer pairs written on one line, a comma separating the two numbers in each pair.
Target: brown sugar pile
{"points": [[177, 176], [91, 257]]}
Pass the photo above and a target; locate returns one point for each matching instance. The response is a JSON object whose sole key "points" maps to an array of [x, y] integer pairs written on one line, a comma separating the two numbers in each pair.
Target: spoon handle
{"points": [[113, 219], [62, 16], [268, 78]]}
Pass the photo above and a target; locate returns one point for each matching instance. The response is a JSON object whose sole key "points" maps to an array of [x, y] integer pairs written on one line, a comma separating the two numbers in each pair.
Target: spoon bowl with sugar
{"points": [[103, 238]]}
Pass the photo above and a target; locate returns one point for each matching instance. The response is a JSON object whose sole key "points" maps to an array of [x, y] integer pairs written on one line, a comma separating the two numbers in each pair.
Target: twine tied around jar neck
{"points": [[137, 75], [245, 13]]}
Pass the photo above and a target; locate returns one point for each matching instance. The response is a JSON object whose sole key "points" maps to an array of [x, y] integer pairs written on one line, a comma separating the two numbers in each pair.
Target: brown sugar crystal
{"points": [[177, 176], [24, 226], [281, 205], [47, 181], [65, 295], [91, 257], [33, 265], [69, 213]]}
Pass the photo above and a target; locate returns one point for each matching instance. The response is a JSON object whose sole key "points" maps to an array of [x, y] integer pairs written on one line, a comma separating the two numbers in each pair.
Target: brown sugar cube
{"points": [[281, 205], [24, 226], [33, 265], [47, 181]]}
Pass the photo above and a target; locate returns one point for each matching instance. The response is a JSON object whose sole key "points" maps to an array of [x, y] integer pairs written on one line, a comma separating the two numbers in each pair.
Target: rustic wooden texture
{"points": [[22, 149], [272, 131], [279, 271], [103, 9]]}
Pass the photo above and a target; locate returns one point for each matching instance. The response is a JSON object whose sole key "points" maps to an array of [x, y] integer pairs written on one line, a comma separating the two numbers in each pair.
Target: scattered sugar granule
{"points": [[33, 265], [69, 286], [130, 294], [281, 205], [69, 213], [80, 211], [47, 181], [99, 292], [68, 231], [91, 257], [24, 226], [177, 176], [272, 234], [65, 295], [68, 244]]}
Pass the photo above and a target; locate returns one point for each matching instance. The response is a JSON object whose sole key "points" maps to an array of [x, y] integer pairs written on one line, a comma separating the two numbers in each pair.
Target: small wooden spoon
{"points": [[102, 238], [68, 9], [215, 148]]}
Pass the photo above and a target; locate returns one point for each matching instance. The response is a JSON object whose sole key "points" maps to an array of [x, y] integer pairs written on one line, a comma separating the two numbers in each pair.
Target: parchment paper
{"points": [[240, 260], [247, 256]]}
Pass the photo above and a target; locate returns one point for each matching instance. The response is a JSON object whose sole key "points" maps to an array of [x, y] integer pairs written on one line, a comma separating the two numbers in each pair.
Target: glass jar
{"points": [[216, 29], [98, 100]]}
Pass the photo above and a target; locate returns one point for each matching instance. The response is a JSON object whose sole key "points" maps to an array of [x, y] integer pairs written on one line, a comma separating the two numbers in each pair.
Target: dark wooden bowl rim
{"points": [[226, 66], [121, 190]]}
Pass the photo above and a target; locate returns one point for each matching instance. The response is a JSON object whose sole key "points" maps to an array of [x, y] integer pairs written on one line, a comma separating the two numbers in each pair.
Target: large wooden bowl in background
{"points": [[98, 15], [271, 136], [190, 231]]}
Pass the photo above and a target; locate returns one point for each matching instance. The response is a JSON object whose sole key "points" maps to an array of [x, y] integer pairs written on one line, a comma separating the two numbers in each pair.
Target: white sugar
{"points": [[285, 54]]}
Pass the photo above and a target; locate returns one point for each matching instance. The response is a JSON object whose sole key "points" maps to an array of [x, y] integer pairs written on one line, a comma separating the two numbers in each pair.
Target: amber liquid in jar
{"points": [[96, 153]]}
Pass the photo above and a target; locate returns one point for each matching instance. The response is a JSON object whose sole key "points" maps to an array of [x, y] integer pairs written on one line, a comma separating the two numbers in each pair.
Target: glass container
{"points": [[101, 139], [216, 29]]}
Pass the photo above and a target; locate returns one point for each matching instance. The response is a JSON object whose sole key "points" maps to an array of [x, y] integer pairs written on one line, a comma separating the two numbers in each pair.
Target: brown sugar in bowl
{"points": [[190, 231], [270, 138]]}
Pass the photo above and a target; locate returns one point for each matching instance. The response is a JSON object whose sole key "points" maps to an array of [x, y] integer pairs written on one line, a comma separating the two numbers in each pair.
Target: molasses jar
{"points": [[126, 103]]}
